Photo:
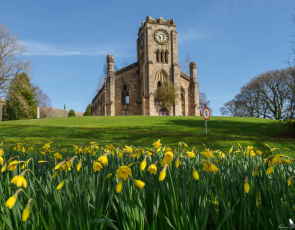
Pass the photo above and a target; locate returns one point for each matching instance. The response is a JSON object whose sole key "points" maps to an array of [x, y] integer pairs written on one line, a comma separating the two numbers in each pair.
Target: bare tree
{"points": [[266, 95], [12, 61], [204, 102], [102, 77], [186, 64], [42, 98]]}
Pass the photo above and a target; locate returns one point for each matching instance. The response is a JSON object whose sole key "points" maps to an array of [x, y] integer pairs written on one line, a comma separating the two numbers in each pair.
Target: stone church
{"points": [[131, 90]]}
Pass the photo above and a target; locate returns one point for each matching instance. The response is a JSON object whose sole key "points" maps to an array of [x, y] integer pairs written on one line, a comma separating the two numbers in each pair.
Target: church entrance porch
{"points": [[164, 112]]}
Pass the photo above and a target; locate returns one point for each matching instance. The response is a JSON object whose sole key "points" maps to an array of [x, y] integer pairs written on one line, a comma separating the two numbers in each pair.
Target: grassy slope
{"points": [[144, 130]]}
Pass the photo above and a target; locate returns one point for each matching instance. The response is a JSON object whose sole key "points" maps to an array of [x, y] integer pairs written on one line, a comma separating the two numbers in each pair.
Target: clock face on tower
{"points": [[161, 36]]}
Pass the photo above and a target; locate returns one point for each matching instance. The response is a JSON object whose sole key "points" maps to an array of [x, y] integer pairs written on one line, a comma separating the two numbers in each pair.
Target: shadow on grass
{"points": [[221, 135]]}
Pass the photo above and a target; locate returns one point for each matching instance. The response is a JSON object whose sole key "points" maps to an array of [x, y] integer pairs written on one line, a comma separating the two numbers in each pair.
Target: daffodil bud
{"points": [[246, 185]]}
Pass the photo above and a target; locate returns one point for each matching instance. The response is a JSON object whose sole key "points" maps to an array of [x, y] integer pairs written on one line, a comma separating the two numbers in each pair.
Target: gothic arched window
{"points": [[125, 95], [166, 56]]}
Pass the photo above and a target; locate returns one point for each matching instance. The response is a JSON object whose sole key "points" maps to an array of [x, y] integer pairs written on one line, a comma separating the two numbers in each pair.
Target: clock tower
{"points": [[157, 56], [131, 90]]}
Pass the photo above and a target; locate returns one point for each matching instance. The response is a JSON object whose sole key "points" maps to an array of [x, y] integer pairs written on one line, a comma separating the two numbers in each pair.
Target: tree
{"points": [[88, 110], [11, 58], [204, 102], [167, 93], [266, 95], [103, 76], [42, 98], [20, 100], [186, 64], [71, 113]]}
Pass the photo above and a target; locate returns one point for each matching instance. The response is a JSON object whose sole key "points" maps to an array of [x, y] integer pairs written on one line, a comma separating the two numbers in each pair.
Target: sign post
{"points": [[206, 115]]}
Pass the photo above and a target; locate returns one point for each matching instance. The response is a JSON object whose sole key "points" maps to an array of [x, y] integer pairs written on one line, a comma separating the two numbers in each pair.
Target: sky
{"points": [[68, 40]]}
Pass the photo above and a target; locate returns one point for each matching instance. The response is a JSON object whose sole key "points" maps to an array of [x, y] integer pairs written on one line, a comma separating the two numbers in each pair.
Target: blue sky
{"points": [[232, 41]]}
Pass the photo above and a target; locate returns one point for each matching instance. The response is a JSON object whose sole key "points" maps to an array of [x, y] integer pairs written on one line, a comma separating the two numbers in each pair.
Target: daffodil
{"points": [[123, 172], [59, 186], [195, 174], [246, 185], [79, 165], [258, 152], [153, 168], [289, 180], [287, 162], [270, 169], [132, 164], [1, 161], [230, 150], [26, 163], [19, 180], [57, 156], [26, 211], [163, 173], [207, 153], [139, 184], [157, 144], [168, 156], [190, 154], [119, 186], [107, 177], [3, 168], [55, 174], [103, 160], [177, 162], [256, 171], [97, 166], [11, 200], [209, 167], [143, 164]]}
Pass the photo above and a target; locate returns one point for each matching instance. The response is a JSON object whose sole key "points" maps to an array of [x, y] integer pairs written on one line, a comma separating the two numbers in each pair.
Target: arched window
{"points": [[157, 56], [159, 84], [125, 95], [166, 56]]}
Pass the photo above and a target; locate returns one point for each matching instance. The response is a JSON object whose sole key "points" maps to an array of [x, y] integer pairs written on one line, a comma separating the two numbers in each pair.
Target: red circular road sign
{"points": [[206, 113]]}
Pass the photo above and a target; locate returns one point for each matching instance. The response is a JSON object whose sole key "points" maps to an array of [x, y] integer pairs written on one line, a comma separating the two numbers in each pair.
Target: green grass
{"points": [[223, 132]]}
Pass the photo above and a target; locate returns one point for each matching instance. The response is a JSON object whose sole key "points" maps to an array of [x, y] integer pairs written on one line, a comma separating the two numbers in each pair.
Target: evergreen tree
{"points": [[20, 99], [71, 113], [88, 110]]}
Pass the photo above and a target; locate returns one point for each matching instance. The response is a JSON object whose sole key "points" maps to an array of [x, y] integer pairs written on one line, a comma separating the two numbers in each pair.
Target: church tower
{"points": [[157, 57], [131, 90]]}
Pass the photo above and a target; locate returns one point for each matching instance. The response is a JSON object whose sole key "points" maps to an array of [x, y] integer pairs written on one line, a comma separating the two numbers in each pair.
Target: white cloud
{"points": [[51, 49], [189, 35]]}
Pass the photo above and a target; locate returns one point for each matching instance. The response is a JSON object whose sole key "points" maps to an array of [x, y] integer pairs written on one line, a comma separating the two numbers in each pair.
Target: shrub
{"points": [[88, 110], [71, 113]]}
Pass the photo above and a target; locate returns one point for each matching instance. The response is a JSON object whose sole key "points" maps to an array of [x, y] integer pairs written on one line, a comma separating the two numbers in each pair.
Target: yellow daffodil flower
{"points": [[26, 211], [168, 156], [11, 201], [177, 162], [246, 185], [207, 153], [132, 164], [190, 154], [139, 184], [123, 172], [119, 186], [157, 144], [195, 174], [97, 166], [258, 152], [103, 160], [163, 173], [153, 168], [59, 186], [79, 165], [289, 181]]}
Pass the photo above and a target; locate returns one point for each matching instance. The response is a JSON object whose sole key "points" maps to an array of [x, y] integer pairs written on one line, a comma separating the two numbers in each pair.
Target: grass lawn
{"points": [[223, 132]]}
